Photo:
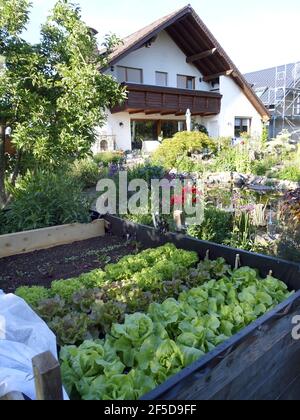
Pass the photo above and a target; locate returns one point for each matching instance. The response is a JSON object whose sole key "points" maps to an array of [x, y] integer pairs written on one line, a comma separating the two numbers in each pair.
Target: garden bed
{"points": [[142, 347], [61, 262]]}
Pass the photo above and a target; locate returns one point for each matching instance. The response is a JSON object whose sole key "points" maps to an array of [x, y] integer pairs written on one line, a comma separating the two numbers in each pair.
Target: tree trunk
{"points": [[2, 164]]}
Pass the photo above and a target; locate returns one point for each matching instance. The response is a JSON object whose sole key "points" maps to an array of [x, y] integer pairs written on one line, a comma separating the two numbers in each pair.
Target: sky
{"points": [[256, 34]]}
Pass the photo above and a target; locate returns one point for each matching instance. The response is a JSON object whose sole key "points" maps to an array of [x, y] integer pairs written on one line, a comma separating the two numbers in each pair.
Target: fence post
{"points": [[47, 375]]}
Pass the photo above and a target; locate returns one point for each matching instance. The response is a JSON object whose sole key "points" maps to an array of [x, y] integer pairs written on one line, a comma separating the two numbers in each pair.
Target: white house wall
{"points": [[164, 56], [234, 104], [117, 125]]}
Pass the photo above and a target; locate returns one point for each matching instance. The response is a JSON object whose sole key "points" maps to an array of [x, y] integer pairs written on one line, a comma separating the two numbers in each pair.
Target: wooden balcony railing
{"points": [[169, 101]]}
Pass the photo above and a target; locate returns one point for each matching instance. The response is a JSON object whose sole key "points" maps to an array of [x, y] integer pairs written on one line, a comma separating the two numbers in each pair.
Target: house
{"points": [[170, 66], [279, 90]]}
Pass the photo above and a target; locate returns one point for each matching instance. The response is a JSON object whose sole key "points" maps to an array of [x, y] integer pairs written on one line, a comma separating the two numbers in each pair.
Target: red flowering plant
{"points": [[189, 194]]}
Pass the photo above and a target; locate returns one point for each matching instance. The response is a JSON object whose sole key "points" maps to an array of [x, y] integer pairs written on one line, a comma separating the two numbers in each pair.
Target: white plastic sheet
{"points": [[23, 335]]}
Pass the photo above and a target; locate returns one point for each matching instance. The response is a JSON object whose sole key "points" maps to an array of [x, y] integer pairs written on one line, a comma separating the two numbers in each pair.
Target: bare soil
{"points": [[40, 268]]}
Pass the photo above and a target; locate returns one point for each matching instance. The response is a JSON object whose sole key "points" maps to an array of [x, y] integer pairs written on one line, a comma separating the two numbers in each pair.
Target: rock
{"points": [[239, 180]]}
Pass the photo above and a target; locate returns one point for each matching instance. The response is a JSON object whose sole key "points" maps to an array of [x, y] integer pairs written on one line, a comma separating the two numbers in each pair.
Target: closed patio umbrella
{"points": [[188, 116]]}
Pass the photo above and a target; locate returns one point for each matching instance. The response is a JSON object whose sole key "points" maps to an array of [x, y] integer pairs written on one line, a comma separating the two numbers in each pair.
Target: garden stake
{"points": [[237, 261]]}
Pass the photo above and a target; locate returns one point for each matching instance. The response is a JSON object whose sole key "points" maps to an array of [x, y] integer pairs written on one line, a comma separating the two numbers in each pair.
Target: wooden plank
{"points": [[13, 396], [33, 240], [47, 375], [266, 376], [292, 392], [202, 55], [278, 381]]}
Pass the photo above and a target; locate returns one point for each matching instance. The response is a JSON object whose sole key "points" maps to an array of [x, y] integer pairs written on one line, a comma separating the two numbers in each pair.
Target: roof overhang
{"points": [[200, 47]]}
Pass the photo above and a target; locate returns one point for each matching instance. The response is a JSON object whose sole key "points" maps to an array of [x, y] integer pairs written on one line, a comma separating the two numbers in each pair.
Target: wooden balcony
{"points": [[169, 101]]}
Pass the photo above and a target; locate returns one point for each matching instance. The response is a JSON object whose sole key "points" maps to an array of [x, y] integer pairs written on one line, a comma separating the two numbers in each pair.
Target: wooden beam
{"points": [[179, 114], [136, 111], [201, 55], [47, 376], [153, 111], [168, 112], [215, 76]]}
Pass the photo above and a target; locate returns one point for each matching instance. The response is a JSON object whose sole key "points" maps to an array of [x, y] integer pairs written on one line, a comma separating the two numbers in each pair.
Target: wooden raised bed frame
{"points": [[33, 240], [262, 362]]}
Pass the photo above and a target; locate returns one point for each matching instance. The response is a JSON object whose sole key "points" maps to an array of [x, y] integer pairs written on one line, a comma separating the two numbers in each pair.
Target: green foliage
{"points": [[107, 158], [224, 143], [73, 328], [147, 349], [147, 172], [234, 159], [265, 136], [172, 151], [201, 128], [86, 172], [45, 199], [243, 232], [13, 16], [65, 289], [101, 298], [52, 94], [264, 166], [289, 173], [142, 219], [32, 295], [216, 227]]}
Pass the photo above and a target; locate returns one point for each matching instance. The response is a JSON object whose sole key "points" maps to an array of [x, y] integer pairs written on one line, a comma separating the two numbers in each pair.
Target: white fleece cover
{"points": [[23, 335]]}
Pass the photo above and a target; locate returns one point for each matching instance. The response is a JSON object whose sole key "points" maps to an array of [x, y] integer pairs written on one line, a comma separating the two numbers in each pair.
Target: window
{"points": [[161, 78], [143, 130], [186, 82], [170, 128], [241, 125], [130, 75]]}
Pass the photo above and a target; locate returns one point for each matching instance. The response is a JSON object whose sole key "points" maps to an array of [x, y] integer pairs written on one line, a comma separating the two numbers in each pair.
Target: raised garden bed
{"points": [[261, 361], [61, 262]]}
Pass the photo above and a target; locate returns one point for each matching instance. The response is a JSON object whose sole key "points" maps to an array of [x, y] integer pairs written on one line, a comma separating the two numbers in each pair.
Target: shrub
{"points": [[262, 167], [289, 173], [172, 151], [86, 172], [224, 143], [107, 158], [217, 226], [33, 295], [46, 199], [147, 172], [234, 159], [201, 128]]}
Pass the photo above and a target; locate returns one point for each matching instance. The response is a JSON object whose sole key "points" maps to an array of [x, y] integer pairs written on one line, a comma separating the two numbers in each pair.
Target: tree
{"points": [[53, 95]]}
